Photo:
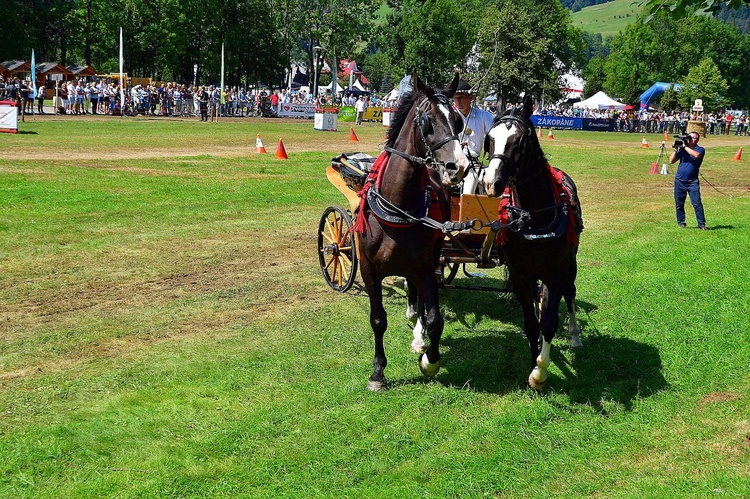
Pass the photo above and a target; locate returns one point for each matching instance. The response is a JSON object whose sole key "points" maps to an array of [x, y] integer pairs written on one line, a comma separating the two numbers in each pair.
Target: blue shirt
{"points": [[689, 166]]}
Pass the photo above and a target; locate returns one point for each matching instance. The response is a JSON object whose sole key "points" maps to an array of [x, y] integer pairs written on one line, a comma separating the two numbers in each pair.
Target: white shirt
{"points": [[476, 126]]}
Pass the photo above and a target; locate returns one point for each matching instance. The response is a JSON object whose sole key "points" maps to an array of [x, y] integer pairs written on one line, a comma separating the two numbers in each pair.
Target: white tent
{"points": [[599, 100]]}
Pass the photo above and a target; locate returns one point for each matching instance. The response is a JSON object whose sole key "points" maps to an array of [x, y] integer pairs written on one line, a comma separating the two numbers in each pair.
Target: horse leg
{"points": [[525, 295], [378, 323], [549, 324], [570, 300], [429, 362], [414, 314]]}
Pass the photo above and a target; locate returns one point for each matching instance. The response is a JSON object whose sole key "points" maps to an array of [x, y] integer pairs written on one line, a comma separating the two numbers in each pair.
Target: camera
{"points": [[679, 142]]}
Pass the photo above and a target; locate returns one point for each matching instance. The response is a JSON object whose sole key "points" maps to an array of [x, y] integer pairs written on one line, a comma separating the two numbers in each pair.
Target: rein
{"points": [[429, 159]]}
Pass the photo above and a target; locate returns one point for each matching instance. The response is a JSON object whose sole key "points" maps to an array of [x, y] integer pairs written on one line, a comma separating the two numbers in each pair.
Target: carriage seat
{"points": [[353, 168]]}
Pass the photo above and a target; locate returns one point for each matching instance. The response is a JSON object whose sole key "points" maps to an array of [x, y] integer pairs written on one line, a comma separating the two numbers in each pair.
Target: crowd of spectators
{"points": [[80, 97], [650, 121]]}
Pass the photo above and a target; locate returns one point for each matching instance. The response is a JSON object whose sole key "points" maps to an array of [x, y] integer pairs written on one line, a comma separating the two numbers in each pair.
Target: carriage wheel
{"points": [[336, 248], [446, 273]]}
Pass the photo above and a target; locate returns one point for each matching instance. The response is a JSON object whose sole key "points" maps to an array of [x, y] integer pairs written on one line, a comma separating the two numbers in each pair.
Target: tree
{"points": [[669, 99], [683, 8], [705, 82], [526, 46], [430, 36], [594, 75]]}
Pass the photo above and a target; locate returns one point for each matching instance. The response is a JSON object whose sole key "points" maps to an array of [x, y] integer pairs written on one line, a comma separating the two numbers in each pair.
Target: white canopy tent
{"points": [[599, 100]]}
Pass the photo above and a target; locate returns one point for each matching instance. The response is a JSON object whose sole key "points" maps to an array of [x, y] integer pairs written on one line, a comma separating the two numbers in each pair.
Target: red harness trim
{"points": [[375, 177], [560, 192]]}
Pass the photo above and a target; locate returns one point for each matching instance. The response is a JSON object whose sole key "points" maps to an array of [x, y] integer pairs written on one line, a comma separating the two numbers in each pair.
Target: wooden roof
{"points": [[16, 66], [51, 68], [82, 70]]}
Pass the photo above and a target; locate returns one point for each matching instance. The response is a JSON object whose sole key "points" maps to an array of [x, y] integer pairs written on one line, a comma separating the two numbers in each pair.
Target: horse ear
{"points": [[450, 90], [528, 106], [500, 105], [418, 85]]}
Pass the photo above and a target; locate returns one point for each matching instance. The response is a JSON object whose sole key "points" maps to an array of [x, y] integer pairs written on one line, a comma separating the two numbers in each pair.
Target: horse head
{"points": [[436, 126], [511, 144]]}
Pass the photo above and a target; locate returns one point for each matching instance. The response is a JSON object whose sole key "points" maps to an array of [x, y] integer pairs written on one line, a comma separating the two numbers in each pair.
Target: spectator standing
{"points": [[40, 100], [360, 107], [686, 182]]}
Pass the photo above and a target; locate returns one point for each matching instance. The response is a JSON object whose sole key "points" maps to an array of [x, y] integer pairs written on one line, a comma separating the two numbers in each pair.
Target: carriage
{"points": [[471, 242], [407, 224]]}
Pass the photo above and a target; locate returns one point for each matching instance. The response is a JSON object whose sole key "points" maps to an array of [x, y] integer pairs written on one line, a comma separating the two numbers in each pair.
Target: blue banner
{"points": [[557, 122], [571, 123], [599, 125]]}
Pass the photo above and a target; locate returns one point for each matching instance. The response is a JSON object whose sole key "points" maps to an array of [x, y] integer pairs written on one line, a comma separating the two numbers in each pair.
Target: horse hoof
{"points": [[428, 369], [418, 346], [537, 380], [377, 386]]}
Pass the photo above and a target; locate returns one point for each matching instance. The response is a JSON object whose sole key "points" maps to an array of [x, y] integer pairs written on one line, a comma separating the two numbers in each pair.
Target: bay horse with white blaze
{"points": [[545, 247], [422, 152]]}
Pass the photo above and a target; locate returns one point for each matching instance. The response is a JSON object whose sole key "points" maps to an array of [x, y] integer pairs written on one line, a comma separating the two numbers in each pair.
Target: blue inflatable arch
{"points": [[655, 91]]}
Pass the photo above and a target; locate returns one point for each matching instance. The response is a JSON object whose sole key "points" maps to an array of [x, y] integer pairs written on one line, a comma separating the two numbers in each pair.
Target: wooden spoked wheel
{"points": [[446, 273], [336, 248]]}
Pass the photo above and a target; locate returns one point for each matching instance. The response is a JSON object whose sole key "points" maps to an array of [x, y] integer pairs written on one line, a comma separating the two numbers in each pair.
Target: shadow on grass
{"points": [[608, 372], [27, 132]]}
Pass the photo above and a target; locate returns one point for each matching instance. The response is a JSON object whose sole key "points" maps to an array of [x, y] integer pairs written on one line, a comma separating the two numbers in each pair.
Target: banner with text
{"points": [[289, 110], [571, 123]]}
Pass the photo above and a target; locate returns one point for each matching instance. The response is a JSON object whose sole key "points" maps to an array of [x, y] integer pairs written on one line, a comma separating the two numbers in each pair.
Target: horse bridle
{"points": [[508, 121], [422, 124]]}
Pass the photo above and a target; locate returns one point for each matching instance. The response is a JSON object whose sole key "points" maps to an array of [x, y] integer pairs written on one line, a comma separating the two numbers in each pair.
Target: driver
{"points": [[477, 122]]}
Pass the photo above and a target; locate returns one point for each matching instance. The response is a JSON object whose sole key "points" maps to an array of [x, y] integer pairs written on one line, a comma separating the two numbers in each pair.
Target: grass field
{"points": [[166, 330], [606, 18]]}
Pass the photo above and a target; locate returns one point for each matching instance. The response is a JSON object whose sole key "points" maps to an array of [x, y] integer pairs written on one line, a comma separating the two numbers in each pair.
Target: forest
{"points": [[508, 47]]}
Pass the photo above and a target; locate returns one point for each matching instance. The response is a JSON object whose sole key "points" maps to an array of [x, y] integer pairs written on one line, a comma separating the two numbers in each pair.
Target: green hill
{"points": [[606, 18]]}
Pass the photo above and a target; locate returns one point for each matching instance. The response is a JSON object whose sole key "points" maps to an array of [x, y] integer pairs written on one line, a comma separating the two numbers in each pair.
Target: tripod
{"points": [[662, 154]]}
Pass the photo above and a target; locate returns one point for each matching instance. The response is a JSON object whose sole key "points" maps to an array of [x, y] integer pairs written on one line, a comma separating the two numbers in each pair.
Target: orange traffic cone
{"points": [[666, 136], [654, 169], [738, 156], [644, 142], [539, 132], [352, 135], [259, 145], [549, 135], [280, 151]]}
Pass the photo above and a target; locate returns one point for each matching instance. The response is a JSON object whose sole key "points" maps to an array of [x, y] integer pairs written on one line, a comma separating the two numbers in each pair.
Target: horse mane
{"points": [[397, 121]]}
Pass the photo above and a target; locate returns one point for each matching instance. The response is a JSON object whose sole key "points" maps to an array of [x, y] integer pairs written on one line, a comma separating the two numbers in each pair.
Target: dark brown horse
{"points": [[543, 247], [424, 151]]}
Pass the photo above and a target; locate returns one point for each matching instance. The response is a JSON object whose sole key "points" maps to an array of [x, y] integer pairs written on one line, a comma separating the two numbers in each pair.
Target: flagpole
{"points": [[33, 84], [222, 99], [122, 81]]}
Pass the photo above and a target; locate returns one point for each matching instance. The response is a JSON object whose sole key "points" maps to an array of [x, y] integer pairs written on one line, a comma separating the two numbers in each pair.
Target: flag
{"points": [[221, 87], [33, 76], [352, 69], [122, 80]]}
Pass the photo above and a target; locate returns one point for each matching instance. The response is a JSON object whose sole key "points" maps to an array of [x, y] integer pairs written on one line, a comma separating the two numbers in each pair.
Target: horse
{"points": [[543, 243], [422, 153]]}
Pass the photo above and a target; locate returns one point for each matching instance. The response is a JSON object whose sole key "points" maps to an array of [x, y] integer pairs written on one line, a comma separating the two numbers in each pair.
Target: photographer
{"points": [[690, 154]]}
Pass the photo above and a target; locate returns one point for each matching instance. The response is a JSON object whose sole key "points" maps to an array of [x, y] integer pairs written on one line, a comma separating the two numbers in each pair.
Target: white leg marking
{"points": [[428, 369], [538, 377], [418, 345], [411, 315]]}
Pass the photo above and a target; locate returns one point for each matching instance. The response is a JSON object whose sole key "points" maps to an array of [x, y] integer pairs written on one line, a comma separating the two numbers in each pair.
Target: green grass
{"points": [[166, 332], [606, 18]]}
